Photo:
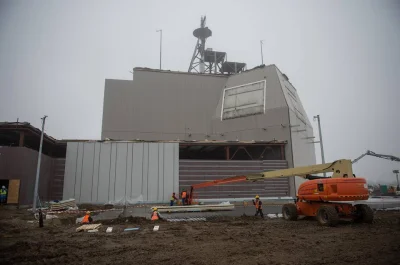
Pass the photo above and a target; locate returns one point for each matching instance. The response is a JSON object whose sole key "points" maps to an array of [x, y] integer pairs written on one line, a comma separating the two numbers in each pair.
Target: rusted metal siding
{"points": [[198, 171]]}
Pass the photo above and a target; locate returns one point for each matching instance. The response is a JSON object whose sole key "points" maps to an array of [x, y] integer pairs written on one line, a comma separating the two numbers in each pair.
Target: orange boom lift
{"points": [[327, 199]]}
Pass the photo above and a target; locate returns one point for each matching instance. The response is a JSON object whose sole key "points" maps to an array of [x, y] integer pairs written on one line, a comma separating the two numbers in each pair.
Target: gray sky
{"points": [[342, 56]]}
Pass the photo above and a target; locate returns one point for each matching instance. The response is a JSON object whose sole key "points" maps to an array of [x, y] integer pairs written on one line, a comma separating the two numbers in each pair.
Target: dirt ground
{"points": [[244, 240]]}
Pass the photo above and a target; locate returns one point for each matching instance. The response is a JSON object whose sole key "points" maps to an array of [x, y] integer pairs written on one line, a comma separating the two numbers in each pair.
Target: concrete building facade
{"points": [[260, 104]]}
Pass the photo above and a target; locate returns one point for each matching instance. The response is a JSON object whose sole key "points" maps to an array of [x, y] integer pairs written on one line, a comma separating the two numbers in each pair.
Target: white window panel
{"points": [[243, 100]]}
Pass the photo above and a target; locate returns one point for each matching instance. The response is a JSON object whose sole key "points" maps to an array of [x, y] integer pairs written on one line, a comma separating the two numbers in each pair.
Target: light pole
{"points": [[320, 141], [396, 171], [262, 56], [160, 30], [35, 193]]}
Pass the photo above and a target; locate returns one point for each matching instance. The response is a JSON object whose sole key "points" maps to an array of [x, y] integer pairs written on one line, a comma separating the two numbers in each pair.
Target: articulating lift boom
{"points": [[370, 153], [326, 198]]}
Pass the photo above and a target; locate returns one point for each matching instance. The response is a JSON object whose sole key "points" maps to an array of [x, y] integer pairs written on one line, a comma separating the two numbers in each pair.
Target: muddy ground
{"points": [[244, 240]]}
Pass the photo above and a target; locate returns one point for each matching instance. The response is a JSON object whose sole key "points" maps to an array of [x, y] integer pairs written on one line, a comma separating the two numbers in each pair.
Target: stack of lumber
{"points": [[62, 205], [197, 208], [88, 227]]}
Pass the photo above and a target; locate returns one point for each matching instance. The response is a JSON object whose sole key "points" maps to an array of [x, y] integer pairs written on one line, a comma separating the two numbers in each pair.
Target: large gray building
{"points": [[225, 124], [259, 105]]}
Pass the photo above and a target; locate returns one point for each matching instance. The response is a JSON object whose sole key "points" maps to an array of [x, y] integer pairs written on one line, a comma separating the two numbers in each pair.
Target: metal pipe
{"points": [[160, 30], [320, 140], [262, 56], [35, 193], [396, 171]]}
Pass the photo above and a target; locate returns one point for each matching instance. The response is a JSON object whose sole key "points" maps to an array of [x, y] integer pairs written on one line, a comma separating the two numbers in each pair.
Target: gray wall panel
{"points": [[129, 167], [78, 172], [113, 168], [96, 171], [169, 169], [70, 169], [113, 172], [104, 173], [87, 173], [160, 179], [121, 171], [153, 179], [145, 177], [137, 170]]}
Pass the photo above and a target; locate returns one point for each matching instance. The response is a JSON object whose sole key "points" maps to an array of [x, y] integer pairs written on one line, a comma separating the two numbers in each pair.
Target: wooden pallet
{"points": [[88, 227]]}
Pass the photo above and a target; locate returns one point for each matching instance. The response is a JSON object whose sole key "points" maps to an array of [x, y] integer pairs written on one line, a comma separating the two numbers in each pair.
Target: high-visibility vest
{"points": [[85, 219], [258, 205], [172, 198], [184, 195], [154, 216], [3, 192]]}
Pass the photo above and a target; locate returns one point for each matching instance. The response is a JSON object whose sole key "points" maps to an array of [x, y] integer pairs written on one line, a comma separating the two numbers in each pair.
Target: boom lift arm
{"points": [[340, 168], [388, 157]]}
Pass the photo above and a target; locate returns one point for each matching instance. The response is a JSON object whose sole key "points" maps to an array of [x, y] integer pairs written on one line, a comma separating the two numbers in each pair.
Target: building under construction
{"points": [[166, 130], [225, 120]]}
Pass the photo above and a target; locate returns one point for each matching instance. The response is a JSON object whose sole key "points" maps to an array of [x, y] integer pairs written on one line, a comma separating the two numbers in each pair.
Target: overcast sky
{"points": [[342, 56]]}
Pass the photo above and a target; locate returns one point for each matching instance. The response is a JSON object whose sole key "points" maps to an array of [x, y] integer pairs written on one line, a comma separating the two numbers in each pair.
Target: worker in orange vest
{"points": [[258, 205], [155, 215], [87, 218], [183, 196], [173, 198]]}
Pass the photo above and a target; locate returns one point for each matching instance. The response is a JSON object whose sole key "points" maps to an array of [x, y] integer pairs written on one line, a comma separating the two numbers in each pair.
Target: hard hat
{"points": [[155, 209], [87, 212], [257, 197], [3, 187]]}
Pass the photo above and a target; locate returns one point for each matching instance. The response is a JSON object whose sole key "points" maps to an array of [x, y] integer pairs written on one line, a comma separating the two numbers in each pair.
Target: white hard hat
{"points": [[3, 187]]}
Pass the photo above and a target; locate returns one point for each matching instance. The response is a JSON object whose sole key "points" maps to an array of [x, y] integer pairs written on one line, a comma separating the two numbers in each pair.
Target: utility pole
{"points": [[262, 56], [35, 193], [320, 140], [160, 30], [396, 171]]}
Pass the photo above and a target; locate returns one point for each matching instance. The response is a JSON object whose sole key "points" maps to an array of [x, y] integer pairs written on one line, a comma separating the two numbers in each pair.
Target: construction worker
{"points": [[173, 198], [87, 218], [183, 196], [3, 195], [155, 215], [258, 205]]}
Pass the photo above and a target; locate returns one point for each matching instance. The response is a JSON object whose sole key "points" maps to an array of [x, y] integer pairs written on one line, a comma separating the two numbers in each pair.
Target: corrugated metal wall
{"points": [[109, 172], [198, 171]]}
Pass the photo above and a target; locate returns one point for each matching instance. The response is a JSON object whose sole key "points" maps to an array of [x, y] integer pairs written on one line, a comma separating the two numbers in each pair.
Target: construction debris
{"points": [[88, 227], [93, 231], [109, 229], [51, 216], [224, 206], [156, 227], [186, 220], [62, 205], [131, 229]]}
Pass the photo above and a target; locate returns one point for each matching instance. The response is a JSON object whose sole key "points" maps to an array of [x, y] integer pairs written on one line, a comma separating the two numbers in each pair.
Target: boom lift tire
{"points": [[327, 215], [364, 214], [289, 212]]}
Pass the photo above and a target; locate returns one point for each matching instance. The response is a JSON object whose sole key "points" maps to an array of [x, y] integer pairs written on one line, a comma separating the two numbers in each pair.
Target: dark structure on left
{"points": [[19, 145]]}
